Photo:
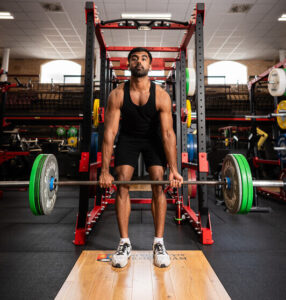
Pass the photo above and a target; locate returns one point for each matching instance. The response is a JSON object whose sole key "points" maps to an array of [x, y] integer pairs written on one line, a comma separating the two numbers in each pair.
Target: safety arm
{"points": [[111, 124], [263, 137]]}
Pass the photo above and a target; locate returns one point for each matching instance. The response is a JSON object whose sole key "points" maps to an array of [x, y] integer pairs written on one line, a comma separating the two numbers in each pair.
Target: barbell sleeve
{"points": [[14, 183], [279, 148], [257, 117], [280, 114], [269, 183]]}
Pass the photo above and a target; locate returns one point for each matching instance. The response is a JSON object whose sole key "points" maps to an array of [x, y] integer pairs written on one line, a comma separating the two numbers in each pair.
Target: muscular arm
{"points": [[111, 123], [168, 134]]}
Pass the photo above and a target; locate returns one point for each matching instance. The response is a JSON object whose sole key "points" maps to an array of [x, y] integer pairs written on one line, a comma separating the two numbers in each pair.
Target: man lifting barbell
{"points": [[147, 128]]}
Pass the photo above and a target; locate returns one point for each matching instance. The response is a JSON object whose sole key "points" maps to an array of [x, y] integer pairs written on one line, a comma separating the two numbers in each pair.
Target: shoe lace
{"points": [[121, 249], [159, 248]]}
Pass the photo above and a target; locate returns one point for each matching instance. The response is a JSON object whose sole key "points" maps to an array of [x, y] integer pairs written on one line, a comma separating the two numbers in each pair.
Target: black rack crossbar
{"points": [[146, 22]]}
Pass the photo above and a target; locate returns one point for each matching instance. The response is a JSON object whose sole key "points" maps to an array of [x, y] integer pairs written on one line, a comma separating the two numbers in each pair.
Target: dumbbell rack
{"points": [[200, 220], [254, 150]]}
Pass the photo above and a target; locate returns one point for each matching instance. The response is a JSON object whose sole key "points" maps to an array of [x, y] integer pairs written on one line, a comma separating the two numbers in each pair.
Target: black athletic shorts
{"points": [[128, 149]]}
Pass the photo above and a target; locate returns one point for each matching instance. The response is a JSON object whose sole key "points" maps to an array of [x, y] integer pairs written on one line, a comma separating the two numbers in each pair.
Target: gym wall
{"points": [[33, 66]]}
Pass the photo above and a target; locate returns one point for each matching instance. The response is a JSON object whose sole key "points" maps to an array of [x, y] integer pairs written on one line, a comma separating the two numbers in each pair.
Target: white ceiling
{"points": [[35, 33]]}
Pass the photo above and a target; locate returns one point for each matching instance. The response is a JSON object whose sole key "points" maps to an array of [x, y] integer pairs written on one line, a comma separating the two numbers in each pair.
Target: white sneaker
{"points": [[120, 257], [160, 256]]}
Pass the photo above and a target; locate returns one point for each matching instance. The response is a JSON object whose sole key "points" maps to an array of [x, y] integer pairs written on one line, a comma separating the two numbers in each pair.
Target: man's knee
{"points": [[157, 190], [122, 190], [157, 174]]}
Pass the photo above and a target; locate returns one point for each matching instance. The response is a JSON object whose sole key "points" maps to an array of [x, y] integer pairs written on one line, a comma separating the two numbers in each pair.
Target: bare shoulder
{"points": [[115, 98], [163, 100]]}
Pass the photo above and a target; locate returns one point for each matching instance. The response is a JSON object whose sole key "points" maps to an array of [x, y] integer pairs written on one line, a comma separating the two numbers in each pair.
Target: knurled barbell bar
{"points": [[237, 184], [280, 115]]}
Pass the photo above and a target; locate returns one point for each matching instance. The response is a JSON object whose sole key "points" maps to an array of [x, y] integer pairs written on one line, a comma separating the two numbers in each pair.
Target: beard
{"points": [[139, 72]]}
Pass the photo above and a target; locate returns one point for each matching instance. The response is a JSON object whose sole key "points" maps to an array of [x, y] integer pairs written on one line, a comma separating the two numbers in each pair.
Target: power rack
{"points": [[200, 220], [254, 150]]}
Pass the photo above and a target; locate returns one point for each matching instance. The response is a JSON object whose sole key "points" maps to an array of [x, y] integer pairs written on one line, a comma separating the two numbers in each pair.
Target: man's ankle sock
{"points": [[124, 240], [158, 240]]}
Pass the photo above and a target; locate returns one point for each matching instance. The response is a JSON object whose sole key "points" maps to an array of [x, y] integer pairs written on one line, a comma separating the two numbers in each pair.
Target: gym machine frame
{"points": [[7, 155], [201, 220], [254, 150]]}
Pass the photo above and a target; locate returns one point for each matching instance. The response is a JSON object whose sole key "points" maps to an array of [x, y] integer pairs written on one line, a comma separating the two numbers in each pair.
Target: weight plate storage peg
{"points": [[190, 81], [277, 82], [42, 192]]}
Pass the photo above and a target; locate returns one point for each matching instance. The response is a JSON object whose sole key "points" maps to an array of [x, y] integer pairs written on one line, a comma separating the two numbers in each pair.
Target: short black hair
{"points": [[140, 49]]}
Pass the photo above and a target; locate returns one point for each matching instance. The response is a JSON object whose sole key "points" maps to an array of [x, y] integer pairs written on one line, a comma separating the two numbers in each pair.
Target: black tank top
{"points": [[140, 121]]}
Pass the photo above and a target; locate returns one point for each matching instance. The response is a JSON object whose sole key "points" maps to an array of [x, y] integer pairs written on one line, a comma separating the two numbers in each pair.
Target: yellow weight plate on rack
{"points": [[95, 112], [72, 142], [189, 117], [281, 120]]}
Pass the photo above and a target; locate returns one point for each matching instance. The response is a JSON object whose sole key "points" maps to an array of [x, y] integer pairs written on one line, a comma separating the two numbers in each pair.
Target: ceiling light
{"points": [[282, 18], [142, 27], [141, 16], [6, 15]]}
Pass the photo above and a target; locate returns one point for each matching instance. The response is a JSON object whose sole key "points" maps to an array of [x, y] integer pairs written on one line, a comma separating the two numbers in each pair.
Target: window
{"points": [[54, 71], [227, 72]]}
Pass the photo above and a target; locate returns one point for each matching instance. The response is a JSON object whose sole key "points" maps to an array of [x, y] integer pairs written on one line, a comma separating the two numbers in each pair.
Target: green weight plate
{"points": [[187, 81], [38, 184], [61, 131], [33, 178], [232, 195], [244, 181], [47, 198], [250, 184], [72, 132]]}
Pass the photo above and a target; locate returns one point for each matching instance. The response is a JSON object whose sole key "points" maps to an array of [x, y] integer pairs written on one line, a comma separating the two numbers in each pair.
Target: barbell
{"points": [[280, 115], [237, 184]]}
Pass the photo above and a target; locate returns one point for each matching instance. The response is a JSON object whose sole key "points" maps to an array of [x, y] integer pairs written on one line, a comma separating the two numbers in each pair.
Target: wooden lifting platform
{"points": [[189, 276]]}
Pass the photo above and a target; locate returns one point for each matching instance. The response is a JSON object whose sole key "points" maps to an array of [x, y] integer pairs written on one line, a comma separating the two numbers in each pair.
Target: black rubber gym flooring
{"points": [[37, 254]]}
